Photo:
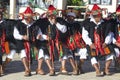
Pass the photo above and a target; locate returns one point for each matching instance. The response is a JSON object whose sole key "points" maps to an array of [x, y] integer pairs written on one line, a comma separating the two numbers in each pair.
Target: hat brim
{"points": [[96, 13], [52, 12], [34, 14], [117, 13], [73, 10], [28, 15]]}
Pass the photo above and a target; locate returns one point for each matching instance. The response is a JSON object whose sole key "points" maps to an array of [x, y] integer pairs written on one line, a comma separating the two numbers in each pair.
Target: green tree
{"points": [[3, 8], [75, 2]]}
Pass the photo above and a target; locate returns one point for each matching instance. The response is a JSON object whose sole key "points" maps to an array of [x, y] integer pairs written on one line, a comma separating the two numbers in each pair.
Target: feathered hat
{"points": [[96, 10], [71, 14], [28, 12], [118, 10], [51, 10]]}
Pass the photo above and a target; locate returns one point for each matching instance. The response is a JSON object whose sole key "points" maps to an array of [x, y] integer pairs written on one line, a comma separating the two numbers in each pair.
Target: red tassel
{"points": [[51, 49], [78, 40], [27, 49], [118, 39], [98, 44], [70, 43], [3, 41], [57, 42]]}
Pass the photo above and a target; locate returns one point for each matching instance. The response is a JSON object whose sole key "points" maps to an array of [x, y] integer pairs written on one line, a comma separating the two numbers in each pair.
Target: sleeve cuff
{"points": [[44, 37], [114, 41], [90, 43]]}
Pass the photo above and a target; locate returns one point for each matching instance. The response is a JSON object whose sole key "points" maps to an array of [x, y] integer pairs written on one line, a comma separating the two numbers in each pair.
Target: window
{"points": [[106, 2], [102, 2], [46, 3], [94, 1], [23, 2], [118, 1]]}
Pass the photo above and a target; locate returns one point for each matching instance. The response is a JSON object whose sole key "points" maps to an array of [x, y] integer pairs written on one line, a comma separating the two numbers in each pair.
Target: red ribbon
{"points": [[27, 49], [70, 43], [3, 41], [51, 49], [78, 40], [118, 39], [98, 43]]}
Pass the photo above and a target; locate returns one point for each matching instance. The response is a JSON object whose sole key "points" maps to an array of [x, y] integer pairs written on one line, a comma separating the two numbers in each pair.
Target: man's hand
{"points": [[104, 45], [117, 44], [92, 46], [25, 37], [48, 38], [38, 36]]}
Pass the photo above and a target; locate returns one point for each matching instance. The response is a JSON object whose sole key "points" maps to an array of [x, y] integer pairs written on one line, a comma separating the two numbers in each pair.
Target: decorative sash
{"points": [[2, 41], [4, 44], [7, 49], [27, 47], [79, 41], [76, 41], [50, 44], [98, 44], [57, 43], [71, 43], [27, 50]]}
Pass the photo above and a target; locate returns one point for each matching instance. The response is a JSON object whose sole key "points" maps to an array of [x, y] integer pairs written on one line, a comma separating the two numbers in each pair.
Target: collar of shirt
{"points": [[28, 25], [50, 21], [93, 20]]}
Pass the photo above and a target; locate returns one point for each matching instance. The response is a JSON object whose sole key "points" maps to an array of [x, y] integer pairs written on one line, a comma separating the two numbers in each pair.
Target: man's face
{"points": [[97, 17], [28, 19], [52, 17], [70, 18]]}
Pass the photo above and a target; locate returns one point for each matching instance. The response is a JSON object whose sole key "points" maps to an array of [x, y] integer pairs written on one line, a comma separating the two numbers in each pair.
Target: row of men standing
{"points": [[49, 35], [95, 38], [102, 37]]}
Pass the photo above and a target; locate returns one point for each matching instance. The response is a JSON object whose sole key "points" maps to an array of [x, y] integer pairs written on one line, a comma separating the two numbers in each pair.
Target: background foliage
{"points": [[75, 2]]}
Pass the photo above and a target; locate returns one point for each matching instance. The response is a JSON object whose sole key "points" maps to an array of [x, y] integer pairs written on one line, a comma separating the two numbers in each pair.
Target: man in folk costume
{"points": [[64, 52], [10, 46], [56, 30], [21, 34], [2, 40], [38, 39], [116, 38], [47, 43], [44, 43], [75, 43], [97, 35], [43, 53]]}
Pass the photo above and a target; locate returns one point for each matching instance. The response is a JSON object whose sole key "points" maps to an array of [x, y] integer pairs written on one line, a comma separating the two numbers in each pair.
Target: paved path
{"points": [[15, 71]]}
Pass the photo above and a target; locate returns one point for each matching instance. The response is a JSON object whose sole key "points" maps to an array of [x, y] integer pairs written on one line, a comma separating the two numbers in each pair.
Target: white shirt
{"points": [[60, 27], [18, 36], [88, 40]]}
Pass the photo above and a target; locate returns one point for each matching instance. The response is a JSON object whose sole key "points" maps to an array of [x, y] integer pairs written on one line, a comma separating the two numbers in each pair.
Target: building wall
{"points": [[111, 8], [59, 4]]}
